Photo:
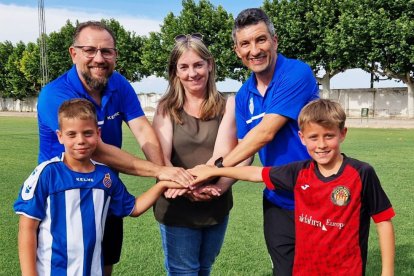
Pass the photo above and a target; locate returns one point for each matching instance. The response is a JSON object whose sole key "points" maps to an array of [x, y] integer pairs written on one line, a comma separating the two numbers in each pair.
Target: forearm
{"points": [[147, 139], [224, 183], [386, 239], [123, 161], [255, 139], [246, 173], [148, 198], [27, 250], [152, 151], [245, 149]]}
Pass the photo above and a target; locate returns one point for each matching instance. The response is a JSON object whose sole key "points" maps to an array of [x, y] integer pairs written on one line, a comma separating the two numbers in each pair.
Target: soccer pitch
{"points": [[389, 151]]}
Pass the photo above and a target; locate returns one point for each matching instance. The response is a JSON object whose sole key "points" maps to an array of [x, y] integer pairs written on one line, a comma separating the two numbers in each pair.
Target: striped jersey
{"points": [[332, 214], [72, 209]]}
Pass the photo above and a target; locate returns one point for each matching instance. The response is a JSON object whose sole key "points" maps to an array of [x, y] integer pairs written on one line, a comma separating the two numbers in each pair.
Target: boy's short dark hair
{"points": [[97, 25], [249, 17], [323, 112], [77, 108]]}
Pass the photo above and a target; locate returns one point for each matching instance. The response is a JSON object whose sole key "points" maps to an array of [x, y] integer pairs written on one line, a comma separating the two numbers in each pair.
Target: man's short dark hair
{"points": [[97, 25], [249, 17]]}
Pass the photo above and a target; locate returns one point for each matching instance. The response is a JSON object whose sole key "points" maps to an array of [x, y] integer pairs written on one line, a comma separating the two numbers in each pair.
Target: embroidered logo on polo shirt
{"points": [[251, 106], [107, 181], [113, 116], [340, 196]]}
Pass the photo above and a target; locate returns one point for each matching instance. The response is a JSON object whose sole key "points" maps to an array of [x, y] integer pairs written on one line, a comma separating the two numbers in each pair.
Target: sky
{"points": [[19, 22]]}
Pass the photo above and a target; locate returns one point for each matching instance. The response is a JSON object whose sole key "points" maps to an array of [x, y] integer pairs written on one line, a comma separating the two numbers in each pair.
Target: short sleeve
{"points": [[294, 87], [130, 103], [122, 202], [32, 198], [240, 110], [240, 121], [376, 201], [49, 101], [281, 177]]}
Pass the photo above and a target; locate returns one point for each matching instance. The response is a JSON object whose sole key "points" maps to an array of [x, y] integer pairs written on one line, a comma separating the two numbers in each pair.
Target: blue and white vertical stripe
{"points": [[72, 209]]}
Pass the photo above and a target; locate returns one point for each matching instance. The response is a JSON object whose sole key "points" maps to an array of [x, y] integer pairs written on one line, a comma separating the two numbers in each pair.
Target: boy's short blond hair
{"points": [[323, 112], [77, 108]]}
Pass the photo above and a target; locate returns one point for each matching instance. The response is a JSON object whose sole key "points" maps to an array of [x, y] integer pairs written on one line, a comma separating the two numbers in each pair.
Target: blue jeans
{"points": [[191, 251]]}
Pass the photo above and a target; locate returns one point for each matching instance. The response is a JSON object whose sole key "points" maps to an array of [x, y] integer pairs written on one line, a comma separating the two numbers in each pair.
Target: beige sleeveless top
{"points": [[193, 144]]}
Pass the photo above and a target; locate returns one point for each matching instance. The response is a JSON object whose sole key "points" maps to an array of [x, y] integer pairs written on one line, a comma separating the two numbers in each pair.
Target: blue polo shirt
{"points": [[293, 85], [119, 103]]}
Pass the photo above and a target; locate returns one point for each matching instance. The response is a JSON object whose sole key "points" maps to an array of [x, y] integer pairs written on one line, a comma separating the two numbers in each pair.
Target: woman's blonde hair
{"points": [[172, 103]]}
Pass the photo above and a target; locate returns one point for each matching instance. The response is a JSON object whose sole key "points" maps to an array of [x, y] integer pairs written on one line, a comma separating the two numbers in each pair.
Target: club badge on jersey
{"points": [[107, 180], [340, 196]]}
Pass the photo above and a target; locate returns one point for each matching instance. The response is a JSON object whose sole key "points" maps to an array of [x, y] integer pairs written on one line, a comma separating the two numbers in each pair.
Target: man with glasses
{"points": [[93, 77]]}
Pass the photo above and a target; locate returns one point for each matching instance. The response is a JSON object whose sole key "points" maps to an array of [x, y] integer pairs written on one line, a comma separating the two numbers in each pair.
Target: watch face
{"points": [[219, 162]]}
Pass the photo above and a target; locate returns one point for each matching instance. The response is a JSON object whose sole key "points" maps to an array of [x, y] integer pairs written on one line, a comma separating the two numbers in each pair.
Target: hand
{"points": [[173, 192], [176, 174], [201, 173], [204, 193]]}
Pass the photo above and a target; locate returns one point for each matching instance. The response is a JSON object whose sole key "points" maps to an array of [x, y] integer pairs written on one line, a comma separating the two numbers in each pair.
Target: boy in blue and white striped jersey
{"points": [[64, 203]]}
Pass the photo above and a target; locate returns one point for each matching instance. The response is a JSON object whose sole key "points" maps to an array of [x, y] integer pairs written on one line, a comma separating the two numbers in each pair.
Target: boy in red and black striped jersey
{"points": [[335, 196]]}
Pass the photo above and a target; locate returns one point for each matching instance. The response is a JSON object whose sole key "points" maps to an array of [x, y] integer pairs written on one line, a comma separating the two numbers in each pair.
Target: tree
{"points": [[383, 38], [306, 30], [393, 48], [58, 44], [129, 47], [30, 67], [214, 23], [6, 49], [20, 86]]}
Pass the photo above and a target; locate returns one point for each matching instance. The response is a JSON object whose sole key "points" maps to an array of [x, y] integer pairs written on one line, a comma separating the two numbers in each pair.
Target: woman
{"points": [[195, 125]]}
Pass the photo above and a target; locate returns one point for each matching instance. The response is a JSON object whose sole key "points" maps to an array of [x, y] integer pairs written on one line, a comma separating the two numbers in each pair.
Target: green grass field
{"points": [[391, 152]]}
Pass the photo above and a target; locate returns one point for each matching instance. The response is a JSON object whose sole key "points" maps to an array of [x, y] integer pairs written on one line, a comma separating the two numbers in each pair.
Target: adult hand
{"points": [[204, 193], [176, 174]]}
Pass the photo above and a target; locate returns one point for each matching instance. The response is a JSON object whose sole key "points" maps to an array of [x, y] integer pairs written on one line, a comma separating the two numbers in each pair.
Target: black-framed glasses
{"points": [[90, 51], [186, 37]]}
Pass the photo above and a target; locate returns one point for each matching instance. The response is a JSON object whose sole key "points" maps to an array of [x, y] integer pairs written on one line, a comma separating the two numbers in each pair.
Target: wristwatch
{"points": [[219, 162]]}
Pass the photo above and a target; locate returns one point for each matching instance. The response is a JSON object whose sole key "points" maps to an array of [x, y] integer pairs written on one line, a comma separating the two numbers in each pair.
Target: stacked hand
{"points": [[200, 189], [200, 173], [176, 174]]}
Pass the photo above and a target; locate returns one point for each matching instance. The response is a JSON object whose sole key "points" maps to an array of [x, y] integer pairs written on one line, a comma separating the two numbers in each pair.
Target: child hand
{"points": [[201, 173], [175, 192]]}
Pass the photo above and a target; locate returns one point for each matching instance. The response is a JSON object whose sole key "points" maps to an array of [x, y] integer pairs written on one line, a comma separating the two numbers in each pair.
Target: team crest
{"points": [[107, 181], [341, 196], [251, 106]]}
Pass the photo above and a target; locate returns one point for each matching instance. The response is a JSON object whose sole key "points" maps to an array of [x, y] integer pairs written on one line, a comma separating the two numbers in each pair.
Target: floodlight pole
{"points": [[42, 43]]}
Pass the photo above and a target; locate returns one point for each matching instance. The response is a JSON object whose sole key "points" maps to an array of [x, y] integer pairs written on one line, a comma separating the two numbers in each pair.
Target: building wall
{"points": [[381, 102], [27, 105]]}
